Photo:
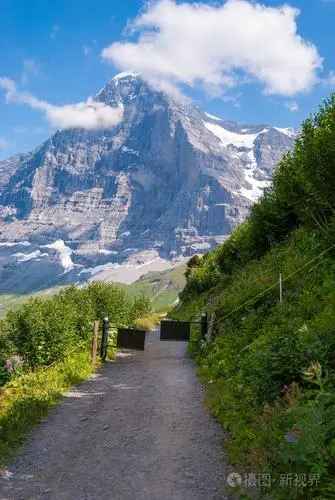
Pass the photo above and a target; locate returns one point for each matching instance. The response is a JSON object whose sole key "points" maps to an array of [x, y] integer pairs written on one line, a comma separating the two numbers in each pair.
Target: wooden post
{"points": [[280, 289], [104, 339], [94, 348], [209, 335]]}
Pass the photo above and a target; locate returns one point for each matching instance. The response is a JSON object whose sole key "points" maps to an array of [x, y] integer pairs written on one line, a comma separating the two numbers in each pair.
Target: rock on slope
{"points": [[169, 181]]}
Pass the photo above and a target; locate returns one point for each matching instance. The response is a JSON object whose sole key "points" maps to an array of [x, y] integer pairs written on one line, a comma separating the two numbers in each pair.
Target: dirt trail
{"points": [[135, 430]]}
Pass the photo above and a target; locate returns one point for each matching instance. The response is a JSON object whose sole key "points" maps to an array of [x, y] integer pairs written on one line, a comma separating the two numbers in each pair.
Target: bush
{"points": [[45, 330], [7, 350]]}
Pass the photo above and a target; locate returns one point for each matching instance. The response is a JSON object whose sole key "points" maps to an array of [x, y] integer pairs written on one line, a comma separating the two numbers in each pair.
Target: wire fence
{"points": [[275, 285], [78, 347]]}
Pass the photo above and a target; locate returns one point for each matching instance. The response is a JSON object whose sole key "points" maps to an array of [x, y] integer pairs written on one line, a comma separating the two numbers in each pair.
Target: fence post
{"points": [[94, 347], [209, 335], [204, 324], [104, 339]]}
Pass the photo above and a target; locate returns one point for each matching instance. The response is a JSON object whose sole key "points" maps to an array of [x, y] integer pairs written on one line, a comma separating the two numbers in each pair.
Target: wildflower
{"points": [[9, 366], [14, 363], [313, 374]]}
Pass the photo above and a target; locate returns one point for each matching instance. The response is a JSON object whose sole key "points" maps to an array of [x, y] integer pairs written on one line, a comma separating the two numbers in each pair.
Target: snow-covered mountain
{"points": [[169, 181]]}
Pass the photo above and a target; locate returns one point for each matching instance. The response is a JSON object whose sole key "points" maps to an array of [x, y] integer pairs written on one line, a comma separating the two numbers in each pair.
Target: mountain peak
{"points": [[121, 89], [126, 75]]}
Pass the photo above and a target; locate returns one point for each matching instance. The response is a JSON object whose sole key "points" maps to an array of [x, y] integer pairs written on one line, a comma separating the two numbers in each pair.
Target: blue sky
{"points": [[52, 50]]}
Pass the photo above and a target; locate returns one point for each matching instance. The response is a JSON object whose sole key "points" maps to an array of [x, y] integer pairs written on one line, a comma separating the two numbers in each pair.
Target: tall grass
{"points": [[148, 322], [27, 398]]}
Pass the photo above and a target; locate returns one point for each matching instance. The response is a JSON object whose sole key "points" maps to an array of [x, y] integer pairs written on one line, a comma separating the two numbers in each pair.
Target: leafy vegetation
{"points": [[27, 398], [271, 367], [42, 331], [44, 349], [148, 322]]}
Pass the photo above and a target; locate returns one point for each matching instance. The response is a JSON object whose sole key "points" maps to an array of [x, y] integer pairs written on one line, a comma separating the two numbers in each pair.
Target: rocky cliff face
{"points": [[168, 182]]}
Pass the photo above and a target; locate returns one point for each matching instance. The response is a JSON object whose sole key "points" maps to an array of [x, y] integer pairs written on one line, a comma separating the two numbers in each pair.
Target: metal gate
{"points": [[181, 330], [127, 338], [133, 338], [130, 338], [175, 330]]}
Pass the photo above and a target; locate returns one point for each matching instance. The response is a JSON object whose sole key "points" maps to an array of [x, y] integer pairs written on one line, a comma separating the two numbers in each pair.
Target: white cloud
{"points": [[88, 115], [7, 84], [54, 31], [292, 106], [30, 68], [218, 46]]}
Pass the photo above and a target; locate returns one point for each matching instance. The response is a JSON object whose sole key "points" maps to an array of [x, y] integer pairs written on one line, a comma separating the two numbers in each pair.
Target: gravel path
{"points": [[135, 430]]}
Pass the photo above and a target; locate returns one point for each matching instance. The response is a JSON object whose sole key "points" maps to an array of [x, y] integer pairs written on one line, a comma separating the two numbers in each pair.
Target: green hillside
{"points": [[8, 301], [162, 287], [270, 369]]}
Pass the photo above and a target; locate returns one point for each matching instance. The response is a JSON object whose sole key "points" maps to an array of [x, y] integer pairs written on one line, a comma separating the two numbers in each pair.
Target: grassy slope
{"points": [[161, 287], [254, 368], [8, 302]]}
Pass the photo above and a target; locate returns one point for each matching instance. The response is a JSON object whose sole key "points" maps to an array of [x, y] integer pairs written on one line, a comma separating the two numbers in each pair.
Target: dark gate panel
{"points": [[129, 338], [175, 330]]}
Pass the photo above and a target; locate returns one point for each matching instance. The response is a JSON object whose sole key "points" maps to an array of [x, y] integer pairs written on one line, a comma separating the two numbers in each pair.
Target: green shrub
{"points": [[45, 330]]}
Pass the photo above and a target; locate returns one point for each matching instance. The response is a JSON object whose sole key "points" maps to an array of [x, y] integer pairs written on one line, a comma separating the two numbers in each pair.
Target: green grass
{"points": [[8, 302], [12, 301], [148, 323], [26, 399], [162, 287]]}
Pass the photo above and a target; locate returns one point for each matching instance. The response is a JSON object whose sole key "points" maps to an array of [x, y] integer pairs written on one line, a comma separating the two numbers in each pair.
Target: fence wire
{"points": [[221, 320]]}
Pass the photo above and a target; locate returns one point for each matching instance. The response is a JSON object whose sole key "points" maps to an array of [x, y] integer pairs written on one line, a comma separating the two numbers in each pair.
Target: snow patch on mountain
{"points": [[257, 186], [22, 257], [65, 254], [125, 74], [227, 137], [125, 149], [103, 251], [98, 269], [290, 132], [17, 243]]}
